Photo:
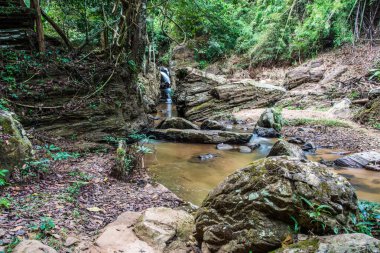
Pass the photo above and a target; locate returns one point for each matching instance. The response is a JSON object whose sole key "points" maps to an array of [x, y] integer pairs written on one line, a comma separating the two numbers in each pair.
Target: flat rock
{"points": [[201, 136], [33, 246], [344, 243], [70, 241], [224, 147], [177, 123], [200, 95], [245, 149], [155, 230], [358, 160]]}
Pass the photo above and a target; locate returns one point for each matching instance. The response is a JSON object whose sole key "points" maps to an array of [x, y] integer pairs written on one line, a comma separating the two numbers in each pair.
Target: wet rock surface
{"points": [[201, 95], [177, 123], [266, 132], [359, 160], [251, 209], [201, 136], [224, 147], [284, 148], [15, 146], [345, 243]]}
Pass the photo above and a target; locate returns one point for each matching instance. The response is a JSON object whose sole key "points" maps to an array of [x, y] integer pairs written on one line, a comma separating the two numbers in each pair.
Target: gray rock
{"points": [[309, 146], [312, 72], [70, 241], [177, 123], [266, 132], [201, 136], [283, 148], [358, 160], [245, 149], [345, 243], [224, 147], [251, 209], [212, 125], [206, 157], [15, 146], [270, 118], [296, 140], [253, 145], [374, 93], [341, 109]]}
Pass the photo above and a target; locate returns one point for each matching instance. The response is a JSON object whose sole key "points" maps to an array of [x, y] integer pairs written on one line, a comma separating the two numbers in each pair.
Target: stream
{"points": [[177, 166]]}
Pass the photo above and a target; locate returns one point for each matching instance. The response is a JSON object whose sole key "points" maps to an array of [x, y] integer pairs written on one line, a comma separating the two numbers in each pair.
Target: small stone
{"points": [[2, 232], [309, 146], [224, 147], [296, 140], [245, 149], [70, 241]]}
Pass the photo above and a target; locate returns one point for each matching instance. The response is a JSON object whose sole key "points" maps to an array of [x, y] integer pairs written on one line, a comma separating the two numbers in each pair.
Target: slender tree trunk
{"points": [[39, 26], [58, 30]]}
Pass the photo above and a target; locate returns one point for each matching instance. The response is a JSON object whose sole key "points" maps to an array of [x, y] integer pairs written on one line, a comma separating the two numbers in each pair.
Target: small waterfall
{"points": [[168, 110], [265, 144]]}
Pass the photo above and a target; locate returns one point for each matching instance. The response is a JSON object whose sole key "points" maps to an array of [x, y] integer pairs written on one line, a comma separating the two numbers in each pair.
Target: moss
{"points": [[317, 122], [205, 105]]}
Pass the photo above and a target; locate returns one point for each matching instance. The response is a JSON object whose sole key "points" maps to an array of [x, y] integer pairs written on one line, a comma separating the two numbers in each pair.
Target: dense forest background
{"points": [[265, 31]]}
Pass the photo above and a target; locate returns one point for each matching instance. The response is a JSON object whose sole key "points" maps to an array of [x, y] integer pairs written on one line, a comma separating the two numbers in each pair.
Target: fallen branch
{"points": [[58, 30]]}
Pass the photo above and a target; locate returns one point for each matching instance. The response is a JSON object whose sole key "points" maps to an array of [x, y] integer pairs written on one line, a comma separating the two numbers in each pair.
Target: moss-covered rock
{"points": [[255, 208], [370, 115], [271, 118], [345, 243], [15, 146]]}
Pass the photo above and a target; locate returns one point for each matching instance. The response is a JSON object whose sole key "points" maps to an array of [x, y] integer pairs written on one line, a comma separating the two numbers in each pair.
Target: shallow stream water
{"points": [[176, 166]]}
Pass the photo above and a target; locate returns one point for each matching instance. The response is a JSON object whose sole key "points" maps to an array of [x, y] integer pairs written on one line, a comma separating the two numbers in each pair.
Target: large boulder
{"points": [[341, 109], [201, 136], [284, 148], [359, 160], [33, 246], [177, 123], [155, 230], [254, 207], [344, 243], [15, 146], [271, 118], [201, 95]]}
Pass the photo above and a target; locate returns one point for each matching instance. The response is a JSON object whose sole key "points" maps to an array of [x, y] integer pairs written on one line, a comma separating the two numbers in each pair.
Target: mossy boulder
{"points": [[271, 118], [254, 208], [370, 114], [15, 146]]}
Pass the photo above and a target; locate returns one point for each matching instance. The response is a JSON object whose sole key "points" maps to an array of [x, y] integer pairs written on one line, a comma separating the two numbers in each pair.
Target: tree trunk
{"points": [[39, 26], [58, 30]]}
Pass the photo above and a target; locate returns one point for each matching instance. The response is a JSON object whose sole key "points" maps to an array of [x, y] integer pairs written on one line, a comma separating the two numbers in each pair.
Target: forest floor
{"points": [[79, 197]]}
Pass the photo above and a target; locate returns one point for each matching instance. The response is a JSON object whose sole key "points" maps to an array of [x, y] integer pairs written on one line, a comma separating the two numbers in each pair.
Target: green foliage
{"points": [[278, 119], [15, 241], [369, 218], [34, 168], [4, 105], [354, 95], [5, 203], [44, 228], [74, 190], [375, 74], [316, 211], [265, 30], [3, 177], [60, 156]]}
